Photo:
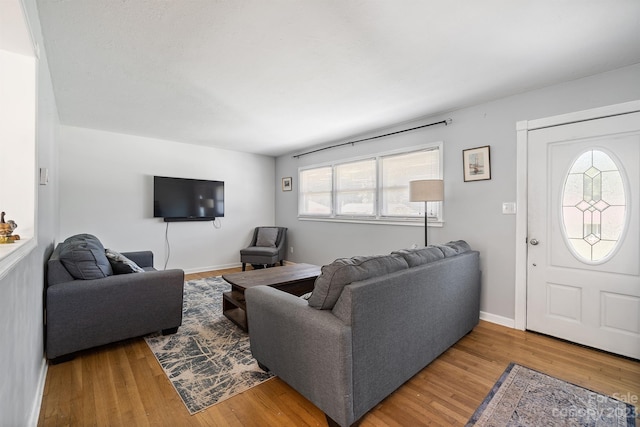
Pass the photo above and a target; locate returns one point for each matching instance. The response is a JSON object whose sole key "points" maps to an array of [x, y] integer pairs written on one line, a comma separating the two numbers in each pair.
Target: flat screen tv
{"points": [[183, 199]]}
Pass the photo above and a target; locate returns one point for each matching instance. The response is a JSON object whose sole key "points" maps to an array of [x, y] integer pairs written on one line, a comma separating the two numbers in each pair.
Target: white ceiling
{"points": [[275, 76]]}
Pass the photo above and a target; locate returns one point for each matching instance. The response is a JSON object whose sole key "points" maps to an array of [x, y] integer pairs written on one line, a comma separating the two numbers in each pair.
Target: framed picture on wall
{"points": [[476, 163], [286, 184]]}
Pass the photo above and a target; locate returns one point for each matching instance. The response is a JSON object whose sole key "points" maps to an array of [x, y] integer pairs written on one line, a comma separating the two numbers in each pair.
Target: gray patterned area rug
{"points": [[524, 397], [209, 359]]}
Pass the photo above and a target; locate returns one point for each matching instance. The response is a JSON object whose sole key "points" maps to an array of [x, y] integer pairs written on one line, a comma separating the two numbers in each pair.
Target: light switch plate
{"points": [[44, 176], [509, 208]]}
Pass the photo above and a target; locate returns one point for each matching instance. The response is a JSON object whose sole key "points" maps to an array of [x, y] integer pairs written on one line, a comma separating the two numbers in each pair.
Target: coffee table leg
{"points": [[234, 308]]}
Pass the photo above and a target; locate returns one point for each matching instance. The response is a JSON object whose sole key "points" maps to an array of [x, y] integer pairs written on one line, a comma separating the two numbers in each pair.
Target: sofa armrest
{"points": [[142, 258], [308, 349], [81, 314]]}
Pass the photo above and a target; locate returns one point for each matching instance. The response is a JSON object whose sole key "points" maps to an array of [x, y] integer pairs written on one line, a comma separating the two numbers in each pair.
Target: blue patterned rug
{"points": [[209, 359], [524, 397]]}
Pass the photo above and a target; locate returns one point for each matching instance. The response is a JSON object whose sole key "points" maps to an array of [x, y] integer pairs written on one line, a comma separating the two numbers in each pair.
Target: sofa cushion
{"points": [[335, 276], [446, 250], [419, 256], [267, 237], [460, 246], [84, 258], [120, 264], [454, 248]]}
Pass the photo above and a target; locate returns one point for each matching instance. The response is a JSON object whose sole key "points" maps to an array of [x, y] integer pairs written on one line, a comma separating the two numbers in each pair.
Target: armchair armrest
{"points": [[82, 314], [309, 349], [142, 258], [282, 244]]}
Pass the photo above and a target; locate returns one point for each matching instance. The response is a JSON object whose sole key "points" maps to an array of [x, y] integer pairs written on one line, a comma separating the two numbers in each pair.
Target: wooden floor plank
{"points": [[123, 384]]}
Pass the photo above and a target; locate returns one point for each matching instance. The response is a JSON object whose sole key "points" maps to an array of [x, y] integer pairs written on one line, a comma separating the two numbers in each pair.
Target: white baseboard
{"points": [[220, 267], [37, 402], [211, 268], [500, 320]]}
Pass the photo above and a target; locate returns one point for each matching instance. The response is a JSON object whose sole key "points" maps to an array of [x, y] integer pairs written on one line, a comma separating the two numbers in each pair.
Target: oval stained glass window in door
{"points": [[594, 206]]}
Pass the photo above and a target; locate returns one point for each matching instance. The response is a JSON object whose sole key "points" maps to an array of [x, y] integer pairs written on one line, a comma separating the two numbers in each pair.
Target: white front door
{"points": [[583, 258]]}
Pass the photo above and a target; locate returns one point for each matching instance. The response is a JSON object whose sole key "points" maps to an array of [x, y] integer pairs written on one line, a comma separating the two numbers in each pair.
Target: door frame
{"points": [[522, 218]]}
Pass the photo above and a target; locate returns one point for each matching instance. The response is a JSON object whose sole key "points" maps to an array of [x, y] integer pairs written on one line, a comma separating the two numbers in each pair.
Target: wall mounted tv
{"points": [[182, 199]]}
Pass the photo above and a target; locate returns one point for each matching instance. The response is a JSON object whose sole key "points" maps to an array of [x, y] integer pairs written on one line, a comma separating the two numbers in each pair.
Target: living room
{"points": [[100, 182]]}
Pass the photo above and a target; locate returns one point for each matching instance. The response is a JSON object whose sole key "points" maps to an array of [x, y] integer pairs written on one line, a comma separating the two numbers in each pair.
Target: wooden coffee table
{"points": [[296, 279]]}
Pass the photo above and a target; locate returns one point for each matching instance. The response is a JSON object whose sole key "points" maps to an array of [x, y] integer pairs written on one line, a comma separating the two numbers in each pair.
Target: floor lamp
{"points": [[426, 190]]}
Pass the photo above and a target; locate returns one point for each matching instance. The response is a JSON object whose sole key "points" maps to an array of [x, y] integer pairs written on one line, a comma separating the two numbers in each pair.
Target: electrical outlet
{"points": [[291, 249]]}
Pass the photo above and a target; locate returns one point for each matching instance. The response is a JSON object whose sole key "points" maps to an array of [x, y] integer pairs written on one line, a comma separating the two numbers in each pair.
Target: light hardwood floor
{"points": [[123, 385]]}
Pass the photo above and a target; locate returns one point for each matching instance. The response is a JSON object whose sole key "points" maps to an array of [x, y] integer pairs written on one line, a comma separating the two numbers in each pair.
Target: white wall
{"points": [[472, 210], [22, 364], [17, 109], [106, 189]]}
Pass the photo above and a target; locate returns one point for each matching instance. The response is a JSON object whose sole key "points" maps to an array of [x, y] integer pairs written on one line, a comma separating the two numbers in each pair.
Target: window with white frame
{"points": [[396, 171], [355, 188], [375, 188], [315, 191]]}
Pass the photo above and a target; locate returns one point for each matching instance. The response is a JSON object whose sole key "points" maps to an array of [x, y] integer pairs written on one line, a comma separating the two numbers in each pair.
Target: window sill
{"points": [[12, 253], [386, 221]]}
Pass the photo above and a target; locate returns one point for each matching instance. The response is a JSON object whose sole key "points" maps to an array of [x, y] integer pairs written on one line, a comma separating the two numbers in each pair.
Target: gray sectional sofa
{"points": [[370, 324], [96, 296]]}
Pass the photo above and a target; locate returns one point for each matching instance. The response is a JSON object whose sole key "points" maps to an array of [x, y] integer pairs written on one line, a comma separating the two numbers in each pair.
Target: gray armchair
{"points": [[89, 304], [268, 246]]}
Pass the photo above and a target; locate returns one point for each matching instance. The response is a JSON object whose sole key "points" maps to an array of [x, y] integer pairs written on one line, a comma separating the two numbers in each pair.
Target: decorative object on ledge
{"points": [[6, 230], [426, 190], [287, 184], [476, 163]]}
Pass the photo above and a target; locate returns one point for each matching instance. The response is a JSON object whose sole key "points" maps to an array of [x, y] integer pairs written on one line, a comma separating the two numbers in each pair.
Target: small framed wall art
{"points": [[286, 184], [476, 163]]}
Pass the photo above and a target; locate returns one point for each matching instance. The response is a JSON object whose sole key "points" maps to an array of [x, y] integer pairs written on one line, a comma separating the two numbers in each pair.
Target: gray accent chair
{"points": [[268, 246], [85, 313], [374, 323]]}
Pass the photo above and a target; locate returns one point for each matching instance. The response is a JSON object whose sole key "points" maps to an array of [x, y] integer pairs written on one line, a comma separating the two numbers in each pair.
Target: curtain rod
{"points": [[442, 122]]}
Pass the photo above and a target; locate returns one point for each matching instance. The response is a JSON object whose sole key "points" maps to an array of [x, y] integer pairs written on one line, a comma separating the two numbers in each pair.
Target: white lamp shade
{"points": [[426, 190]]}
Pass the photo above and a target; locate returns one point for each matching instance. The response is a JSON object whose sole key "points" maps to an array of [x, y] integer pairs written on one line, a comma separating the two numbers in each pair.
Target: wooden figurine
{"points": [[6, 230]]}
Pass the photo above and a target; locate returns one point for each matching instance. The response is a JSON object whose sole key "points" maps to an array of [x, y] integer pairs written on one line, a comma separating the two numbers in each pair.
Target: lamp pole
{"points": [[425, 224], [426, 190]]}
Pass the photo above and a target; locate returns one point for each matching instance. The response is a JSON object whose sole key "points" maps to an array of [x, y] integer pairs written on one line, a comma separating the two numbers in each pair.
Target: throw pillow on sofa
{"points": [[121, 264], [267, 237], [335, 276], [84, 258]]}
